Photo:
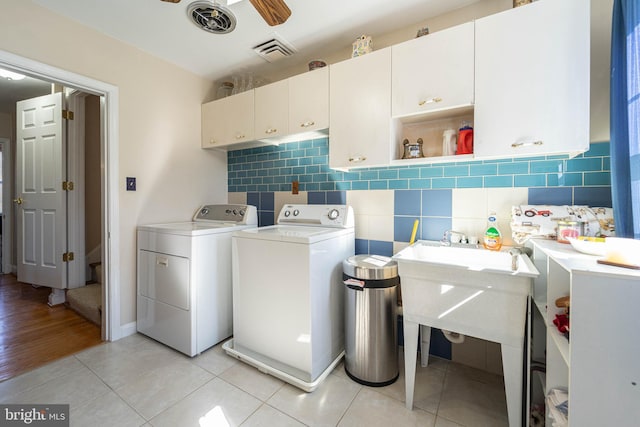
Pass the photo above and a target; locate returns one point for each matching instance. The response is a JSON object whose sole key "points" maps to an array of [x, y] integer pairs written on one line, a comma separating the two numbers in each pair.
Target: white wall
{"points": [[159, 135]]}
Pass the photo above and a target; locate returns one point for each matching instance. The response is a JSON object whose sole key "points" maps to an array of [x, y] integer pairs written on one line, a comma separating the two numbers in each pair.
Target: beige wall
{"points": [[159, 132]]}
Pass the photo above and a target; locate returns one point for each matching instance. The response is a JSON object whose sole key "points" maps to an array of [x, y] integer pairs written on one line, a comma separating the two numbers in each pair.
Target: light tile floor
{"points": [[136, 381]]}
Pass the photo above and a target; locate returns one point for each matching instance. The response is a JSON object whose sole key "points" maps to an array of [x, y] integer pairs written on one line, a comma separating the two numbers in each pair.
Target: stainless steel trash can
{"points": [[371, 341]]}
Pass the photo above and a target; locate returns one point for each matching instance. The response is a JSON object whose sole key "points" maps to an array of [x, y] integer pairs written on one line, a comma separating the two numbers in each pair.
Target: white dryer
{"points": [[288, 295], [184, 297]]}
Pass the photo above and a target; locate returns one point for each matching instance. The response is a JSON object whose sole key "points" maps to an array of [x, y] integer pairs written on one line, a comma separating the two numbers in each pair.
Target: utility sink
{"points": [[470, 291]]}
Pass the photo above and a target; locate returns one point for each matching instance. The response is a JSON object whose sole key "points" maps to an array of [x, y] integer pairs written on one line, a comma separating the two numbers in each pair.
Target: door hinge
{"points": [[67, 114], [67, 185], [67, 256]]}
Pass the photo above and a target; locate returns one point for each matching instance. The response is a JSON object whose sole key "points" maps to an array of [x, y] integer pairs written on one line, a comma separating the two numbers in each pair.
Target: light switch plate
{"points": [[131, 183]]}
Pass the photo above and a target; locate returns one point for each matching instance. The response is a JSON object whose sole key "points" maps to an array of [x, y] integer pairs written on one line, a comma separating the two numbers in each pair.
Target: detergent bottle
{"points": [[492, 238], [465, 139]]}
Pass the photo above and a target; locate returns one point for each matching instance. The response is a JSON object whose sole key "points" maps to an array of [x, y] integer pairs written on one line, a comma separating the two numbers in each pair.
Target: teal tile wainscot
{"points": [[261, 175]]}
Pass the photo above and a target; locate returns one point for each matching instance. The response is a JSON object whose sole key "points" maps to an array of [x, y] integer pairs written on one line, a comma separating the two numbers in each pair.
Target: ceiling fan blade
{"points": [[274, 12]]}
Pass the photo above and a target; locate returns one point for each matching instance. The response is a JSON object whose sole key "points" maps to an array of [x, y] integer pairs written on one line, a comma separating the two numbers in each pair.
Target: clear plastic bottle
{"points": [[492, 238]]}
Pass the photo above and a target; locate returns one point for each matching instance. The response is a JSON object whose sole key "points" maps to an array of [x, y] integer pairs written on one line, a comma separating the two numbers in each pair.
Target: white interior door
{"points": [[41, 202]]}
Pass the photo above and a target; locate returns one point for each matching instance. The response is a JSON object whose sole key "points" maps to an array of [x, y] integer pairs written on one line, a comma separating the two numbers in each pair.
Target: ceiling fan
{"points": [[274, 12]]}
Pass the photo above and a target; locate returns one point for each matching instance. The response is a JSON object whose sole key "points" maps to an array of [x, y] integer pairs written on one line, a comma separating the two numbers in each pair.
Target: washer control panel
{"points": [[319, 215], [239, 214]]}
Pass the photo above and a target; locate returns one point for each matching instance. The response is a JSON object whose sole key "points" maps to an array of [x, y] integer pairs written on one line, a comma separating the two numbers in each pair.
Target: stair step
{"points": [[87, 300]]}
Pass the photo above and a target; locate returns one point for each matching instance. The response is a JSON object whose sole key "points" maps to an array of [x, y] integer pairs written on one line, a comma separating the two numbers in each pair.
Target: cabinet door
{"points": [[228, 121], [360, 111], [309, 101], [212, 132], [532, 80], [433, 72], [239, 117], [272, 110]]}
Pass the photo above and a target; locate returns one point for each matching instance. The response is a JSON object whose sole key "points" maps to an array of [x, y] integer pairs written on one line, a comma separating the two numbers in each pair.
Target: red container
{"points": [[465, 141]]}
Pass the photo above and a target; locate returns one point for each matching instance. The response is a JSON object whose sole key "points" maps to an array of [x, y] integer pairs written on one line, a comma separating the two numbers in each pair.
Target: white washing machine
{"points": [[184, 297], [288, 295]]}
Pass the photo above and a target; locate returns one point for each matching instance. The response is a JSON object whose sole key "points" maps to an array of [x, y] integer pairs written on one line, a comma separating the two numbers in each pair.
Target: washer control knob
{"points": [[241, 212], [296, 212], [333, 214], [235, 212], [204, 211], [287, 213], [228, 211]]}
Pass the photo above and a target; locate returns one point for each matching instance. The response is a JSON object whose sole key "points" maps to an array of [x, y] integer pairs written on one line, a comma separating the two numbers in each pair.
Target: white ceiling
{"points": [[315, 28]]}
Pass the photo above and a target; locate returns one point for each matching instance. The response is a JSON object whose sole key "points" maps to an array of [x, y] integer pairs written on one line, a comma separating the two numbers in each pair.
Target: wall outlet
{"points": [[294, 187], [131, 183]]}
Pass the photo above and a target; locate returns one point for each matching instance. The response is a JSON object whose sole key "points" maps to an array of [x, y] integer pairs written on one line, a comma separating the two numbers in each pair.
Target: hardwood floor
{"points": [[32, 333]]}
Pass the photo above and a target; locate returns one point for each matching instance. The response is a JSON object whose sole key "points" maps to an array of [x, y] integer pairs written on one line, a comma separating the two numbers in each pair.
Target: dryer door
{"points": [[164, 278]]}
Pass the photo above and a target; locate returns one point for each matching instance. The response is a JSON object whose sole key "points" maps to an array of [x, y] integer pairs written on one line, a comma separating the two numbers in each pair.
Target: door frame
{"points": [[109, 94], [7, 205]]}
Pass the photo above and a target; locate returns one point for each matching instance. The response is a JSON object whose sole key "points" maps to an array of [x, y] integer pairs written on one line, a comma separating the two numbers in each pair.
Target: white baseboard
{"points": [[128, 329]]}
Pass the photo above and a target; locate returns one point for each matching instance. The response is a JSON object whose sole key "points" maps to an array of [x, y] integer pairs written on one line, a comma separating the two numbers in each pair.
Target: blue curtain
{"points": [[625, 117]]}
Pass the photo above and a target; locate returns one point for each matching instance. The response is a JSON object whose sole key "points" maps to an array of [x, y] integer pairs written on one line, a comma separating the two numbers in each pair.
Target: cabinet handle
{"points": [[240, 136], [212, 142], [307, 124], [270, 131], [357, 159], [430, 101], [525, 144]]}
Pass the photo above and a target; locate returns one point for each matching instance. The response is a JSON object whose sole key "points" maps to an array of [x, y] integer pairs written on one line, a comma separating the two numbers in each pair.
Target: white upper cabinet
{"points": [[309, 101], [360, 111], [433, 72], [229, 122], [272, 110], [532, 80]]}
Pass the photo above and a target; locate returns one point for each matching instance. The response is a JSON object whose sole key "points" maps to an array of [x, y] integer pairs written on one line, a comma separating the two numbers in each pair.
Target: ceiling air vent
{"points": [[212, 17], [274, 49]]}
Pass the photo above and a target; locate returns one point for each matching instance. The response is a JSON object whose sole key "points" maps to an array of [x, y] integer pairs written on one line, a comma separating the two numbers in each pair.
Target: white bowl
{"points": [[587, 247]]}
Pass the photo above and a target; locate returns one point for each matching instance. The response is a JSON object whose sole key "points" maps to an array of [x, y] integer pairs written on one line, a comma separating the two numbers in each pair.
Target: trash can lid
{"points": [[370, 267]]}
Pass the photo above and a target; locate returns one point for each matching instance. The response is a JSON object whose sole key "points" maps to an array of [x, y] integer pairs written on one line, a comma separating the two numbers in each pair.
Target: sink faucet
{"points": [[514, 252], [446, 237]]}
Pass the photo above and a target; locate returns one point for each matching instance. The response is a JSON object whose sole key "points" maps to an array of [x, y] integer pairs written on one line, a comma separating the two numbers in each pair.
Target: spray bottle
{"points": [[492, 238]]}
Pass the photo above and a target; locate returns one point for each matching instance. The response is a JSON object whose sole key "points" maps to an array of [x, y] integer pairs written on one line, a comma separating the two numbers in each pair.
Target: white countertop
{"points": [[572, 260]]}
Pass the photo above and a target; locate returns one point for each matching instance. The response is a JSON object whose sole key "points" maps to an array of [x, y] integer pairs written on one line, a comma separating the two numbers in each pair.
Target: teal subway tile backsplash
{"points": [[518, 167], [462, 170], [539, 180], [597, 178], [469, 182], [584, 164], [443, 183], [483, 169], [273, 168], [409, 173], [546, 166], [498, 181]]}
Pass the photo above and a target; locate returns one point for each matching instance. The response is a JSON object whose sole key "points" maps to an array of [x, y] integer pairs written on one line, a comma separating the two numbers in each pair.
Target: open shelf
{"points": [[429, 127]]}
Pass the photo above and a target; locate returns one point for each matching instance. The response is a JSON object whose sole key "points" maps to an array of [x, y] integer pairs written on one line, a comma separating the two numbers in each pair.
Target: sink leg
{"points": [[410, 356], [425, 342], [512, 369]]}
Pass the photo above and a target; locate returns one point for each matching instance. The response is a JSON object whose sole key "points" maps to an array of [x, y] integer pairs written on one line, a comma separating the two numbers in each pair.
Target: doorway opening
{"points": [[108, 99]]}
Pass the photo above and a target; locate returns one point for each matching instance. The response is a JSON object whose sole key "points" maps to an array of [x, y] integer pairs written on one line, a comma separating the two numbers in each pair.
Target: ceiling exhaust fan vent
{"points": [[274, 49], [212, 17]]}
